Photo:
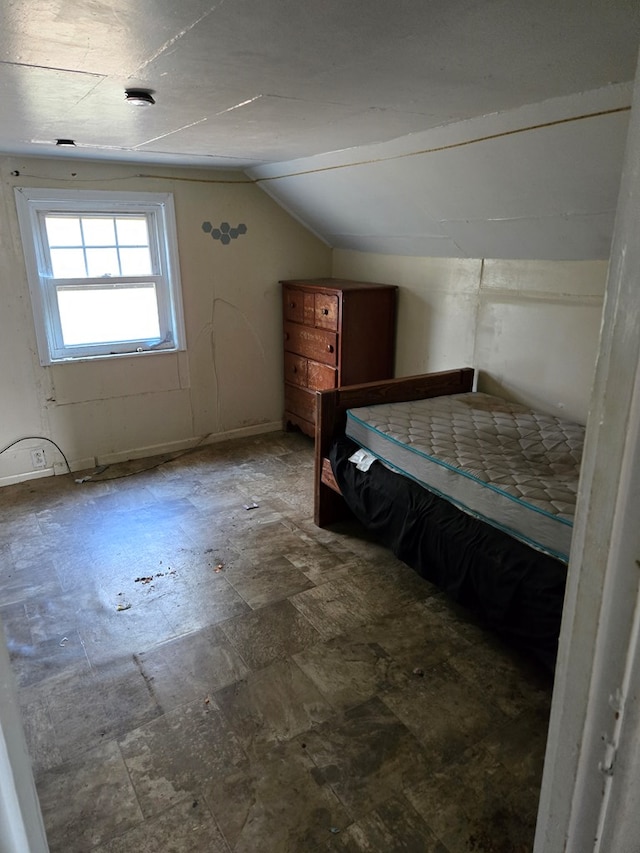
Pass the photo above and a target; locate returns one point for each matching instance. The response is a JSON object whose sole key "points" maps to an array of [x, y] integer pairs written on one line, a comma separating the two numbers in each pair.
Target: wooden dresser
{"points": [[336, 332]]}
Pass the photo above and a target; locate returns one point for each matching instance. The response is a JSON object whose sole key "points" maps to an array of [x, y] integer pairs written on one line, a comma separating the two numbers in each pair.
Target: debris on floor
{"points": [[99, 470], [252, 505], [146, 579], [123, 606], [219, 567]]}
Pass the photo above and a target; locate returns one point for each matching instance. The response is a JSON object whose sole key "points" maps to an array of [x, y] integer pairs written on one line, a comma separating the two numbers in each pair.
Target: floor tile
{"points": [[366, 755], [474, 804], [105, 704], [335, 606], [172, 757], [275, 804], [56, 660], [506, 676], [445, 713], [520, 745], [187, 827], [348, 671], [415, 636], [261, 580], [272, 705], [39, 733], [86, 803], [25, 582], [15, 625], [23, 526], [196, 606], [109, 632], [273, 632], [317, 562], [388, 583], [190, 667], [393, 827]]}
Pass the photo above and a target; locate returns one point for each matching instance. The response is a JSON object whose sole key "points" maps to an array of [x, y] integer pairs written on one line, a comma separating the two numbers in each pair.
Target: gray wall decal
{"points": [[225, 233]]}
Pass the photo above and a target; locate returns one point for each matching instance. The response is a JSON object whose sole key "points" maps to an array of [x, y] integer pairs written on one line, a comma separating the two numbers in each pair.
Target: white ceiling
{"points": [[247, 82]]}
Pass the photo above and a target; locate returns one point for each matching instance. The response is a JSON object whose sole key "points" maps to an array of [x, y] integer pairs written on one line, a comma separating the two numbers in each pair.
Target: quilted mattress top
{"points": [[529, 456]]}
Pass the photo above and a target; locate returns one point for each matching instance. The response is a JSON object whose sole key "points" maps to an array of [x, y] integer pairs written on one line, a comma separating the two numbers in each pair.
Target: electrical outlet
{"points": [[38, 459]]}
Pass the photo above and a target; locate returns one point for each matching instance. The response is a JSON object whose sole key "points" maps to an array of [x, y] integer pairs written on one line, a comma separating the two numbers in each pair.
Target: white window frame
{"points": [[32, 206]]}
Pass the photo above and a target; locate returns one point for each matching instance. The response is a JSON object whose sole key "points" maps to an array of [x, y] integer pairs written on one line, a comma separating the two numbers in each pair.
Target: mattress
{"points": [[501, 462]]}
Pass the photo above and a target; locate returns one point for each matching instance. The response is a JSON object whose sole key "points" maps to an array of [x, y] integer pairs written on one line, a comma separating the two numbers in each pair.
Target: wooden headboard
{"points": [[331, 416]]}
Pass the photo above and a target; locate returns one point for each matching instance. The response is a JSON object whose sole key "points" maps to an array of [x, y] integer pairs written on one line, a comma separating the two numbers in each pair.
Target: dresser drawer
{"points": [[295, 369], [294, 305], [321, 377], [326, 311], [316, 344], [300, 402]]}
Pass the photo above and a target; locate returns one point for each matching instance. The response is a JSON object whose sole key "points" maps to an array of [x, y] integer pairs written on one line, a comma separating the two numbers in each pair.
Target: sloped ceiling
{"points": [[538, 182], [491, 128]]}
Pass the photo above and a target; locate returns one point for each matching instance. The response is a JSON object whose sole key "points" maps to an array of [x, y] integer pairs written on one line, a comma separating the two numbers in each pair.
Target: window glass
{"points": [[63, 231], [68, 263], [135, 261], [101, 315], [98, 232], [102, 262], [132, 231]]}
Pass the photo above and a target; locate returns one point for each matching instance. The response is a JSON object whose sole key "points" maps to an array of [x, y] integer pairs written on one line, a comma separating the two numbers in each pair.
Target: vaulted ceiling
{"points": [[443, 99]]}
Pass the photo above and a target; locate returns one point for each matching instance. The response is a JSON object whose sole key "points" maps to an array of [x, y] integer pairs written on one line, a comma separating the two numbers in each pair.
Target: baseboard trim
{"points": [[186, 444], [87, 463]]}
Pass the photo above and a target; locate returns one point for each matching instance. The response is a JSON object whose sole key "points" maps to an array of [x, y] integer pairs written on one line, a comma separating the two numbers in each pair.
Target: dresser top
{"points": [[336, 284]]}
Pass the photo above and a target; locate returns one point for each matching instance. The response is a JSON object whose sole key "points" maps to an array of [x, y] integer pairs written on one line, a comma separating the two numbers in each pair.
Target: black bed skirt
{"points": [[515, 589]]}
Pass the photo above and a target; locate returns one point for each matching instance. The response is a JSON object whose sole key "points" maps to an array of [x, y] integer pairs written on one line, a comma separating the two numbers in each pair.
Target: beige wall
{"points": [[530, 327], [228, 381]]}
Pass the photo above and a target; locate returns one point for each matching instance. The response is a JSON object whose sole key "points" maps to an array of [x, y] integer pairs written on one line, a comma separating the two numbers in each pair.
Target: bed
{"points": [[475, 493]]}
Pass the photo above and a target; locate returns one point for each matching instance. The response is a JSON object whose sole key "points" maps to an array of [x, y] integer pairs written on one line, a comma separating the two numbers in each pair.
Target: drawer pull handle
{"points": [[286, 336], [325, 311], [294, 369], [329, 347], [292, 305]]}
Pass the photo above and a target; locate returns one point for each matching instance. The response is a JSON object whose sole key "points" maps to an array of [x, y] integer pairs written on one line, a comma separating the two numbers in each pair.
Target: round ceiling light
{"points": [[139, 97]]}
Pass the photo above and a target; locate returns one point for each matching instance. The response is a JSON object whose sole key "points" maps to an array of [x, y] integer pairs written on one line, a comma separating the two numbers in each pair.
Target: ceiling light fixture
{"points": [[68, 142], [139, 97]]}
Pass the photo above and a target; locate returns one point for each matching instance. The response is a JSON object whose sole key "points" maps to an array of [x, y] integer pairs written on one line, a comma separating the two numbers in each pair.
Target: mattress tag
{"points": [[362, 460]]}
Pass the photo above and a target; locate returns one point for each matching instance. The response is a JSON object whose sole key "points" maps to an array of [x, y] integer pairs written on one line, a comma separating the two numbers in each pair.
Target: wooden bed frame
{"points": [[331, 409]]}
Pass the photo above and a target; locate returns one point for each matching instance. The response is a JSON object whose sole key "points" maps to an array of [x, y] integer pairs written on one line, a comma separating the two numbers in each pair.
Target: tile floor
{"points": [[197, 676]]}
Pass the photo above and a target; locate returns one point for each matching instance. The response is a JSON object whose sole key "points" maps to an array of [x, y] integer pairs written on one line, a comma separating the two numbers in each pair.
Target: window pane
{"points": [[102, 262], [68, 263], [132, 232], [135, 261], [97, 315], [63, 230], [98, 232]]}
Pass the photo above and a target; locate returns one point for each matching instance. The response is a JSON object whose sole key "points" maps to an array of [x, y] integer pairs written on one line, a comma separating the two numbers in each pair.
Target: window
{"points": [[103, 272]]}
